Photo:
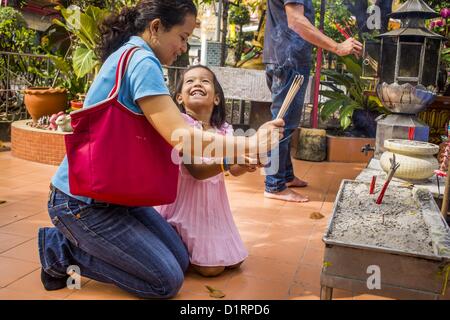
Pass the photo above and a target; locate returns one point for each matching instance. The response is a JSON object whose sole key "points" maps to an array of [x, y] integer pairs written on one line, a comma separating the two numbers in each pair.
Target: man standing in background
{"points": [[289, 37]]}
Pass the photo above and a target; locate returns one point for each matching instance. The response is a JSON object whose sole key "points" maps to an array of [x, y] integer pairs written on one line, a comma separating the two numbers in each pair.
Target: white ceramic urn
{"points": [[416, 158]]}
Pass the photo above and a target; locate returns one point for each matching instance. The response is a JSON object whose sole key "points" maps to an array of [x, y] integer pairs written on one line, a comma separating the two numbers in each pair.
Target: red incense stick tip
{"points": [[372, 185]]}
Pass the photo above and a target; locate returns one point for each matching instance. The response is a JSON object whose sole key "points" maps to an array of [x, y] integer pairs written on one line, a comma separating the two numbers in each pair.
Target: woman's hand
{"points": [[266, 138]]}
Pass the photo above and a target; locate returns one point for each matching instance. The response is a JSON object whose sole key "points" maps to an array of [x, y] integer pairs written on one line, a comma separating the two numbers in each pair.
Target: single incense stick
{"points": [[293, 90], [394, 167], [372, 185], [342, 31]]}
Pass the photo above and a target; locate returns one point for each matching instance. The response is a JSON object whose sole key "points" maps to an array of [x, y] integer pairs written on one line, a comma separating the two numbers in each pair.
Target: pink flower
{"points": [[432, 24], [440, 23], [445, 13]]}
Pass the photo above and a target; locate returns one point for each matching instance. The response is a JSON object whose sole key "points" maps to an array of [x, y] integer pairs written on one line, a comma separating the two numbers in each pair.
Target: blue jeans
{"points": [[133, 248], [279, 80]]}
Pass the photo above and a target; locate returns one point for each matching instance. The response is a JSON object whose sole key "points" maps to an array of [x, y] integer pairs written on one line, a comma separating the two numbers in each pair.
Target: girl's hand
{"points": [[267, 137], [250, 164]]}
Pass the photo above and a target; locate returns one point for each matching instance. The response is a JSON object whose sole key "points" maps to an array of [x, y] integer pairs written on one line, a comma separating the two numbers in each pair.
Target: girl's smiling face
{"points": [[198, 92]]}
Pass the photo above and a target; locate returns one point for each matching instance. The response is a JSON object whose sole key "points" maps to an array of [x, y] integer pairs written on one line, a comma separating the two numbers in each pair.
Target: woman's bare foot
{"points": [[297, 183], [286, 195]]}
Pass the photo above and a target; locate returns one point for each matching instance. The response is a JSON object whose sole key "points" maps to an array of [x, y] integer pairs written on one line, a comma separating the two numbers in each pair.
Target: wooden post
{"points": [[326, 293], [315, 110], [444, 208]]}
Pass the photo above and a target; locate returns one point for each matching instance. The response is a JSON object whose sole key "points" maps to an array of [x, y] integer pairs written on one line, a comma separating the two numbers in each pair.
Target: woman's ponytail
{"points": [[116, 29]]}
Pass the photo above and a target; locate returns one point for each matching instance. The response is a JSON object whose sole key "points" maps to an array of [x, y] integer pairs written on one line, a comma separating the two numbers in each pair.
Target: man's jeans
{"points": [[131, 247], [279, 80]]}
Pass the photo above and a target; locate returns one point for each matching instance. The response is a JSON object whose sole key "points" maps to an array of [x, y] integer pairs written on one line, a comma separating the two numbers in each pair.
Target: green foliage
{"points": [[16, 37], [102, 4], [9, 13], [74, 85], [446, 56], [239, 15], [84, 27], [352, 99], [205, 2], [72, 46], [336, 12], [14, 34]]}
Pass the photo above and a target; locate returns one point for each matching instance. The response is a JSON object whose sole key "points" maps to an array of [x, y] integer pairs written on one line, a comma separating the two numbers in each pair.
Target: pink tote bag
{"points": [[116, 156]]}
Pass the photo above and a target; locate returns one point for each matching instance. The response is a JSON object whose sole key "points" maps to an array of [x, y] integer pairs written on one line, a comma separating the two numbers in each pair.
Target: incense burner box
{"points": [[398, 249]]}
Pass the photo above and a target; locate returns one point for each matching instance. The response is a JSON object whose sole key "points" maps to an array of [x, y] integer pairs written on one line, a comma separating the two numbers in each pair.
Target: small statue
{"points": [[42, 123], [64, 123], [53, 126]]}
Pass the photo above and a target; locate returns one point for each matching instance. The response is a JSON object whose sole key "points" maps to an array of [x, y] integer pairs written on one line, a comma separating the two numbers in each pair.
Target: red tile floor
{"points": [[284, 244]]}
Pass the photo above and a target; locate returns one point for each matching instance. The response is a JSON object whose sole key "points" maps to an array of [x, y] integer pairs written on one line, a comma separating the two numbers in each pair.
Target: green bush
{"points": [[14, 34]]}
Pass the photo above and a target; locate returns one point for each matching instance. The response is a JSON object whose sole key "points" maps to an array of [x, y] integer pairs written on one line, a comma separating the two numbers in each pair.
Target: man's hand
{"points": [[350, 46], [302, 26]]}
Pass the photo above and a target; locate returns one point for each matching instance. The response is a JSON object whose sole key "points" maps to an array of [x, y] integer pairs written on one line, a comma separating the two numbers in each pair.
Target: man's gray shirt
{"points": [[282, 45]]}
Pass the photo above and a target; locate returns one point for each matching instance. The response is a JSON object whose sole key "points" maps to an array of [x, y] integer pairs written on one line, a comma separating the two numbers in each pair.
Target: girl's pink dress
{"points": [[202, 216]]}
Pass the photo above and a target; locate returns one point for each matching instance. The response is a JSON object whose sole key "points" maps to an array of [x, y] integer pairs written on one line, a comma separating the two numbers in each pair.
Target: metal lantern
{"points": [[406, 64], [411, 54]]}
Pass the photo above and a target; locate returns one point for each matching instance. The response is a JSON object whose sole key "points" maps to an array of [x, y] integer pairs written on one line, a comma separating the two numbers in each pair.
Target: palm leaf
{"points": [[352, 66], [330, 107], [60, 63], [345, 115], [333, 95], [339, 78]]}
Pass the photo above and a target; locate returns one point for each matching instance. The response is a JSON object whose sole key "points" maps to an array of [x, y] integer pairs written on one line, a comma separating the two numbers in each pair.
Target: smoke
{"points": [[291, 50]]}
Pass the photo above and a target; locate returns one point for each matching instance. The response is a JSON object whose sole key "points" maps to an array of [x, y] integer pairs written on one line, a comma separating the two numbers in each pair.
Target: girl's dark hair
{"points": [[117, 28], [218, 114]]}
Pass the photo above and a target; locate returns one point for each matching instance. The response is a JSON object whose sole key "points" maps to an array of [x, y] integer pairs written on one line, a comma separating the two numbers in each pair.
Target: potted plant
{"points": [[356, 112], [83, 28], [78, 34], [43, 101], [76, 104], [16, 37]]}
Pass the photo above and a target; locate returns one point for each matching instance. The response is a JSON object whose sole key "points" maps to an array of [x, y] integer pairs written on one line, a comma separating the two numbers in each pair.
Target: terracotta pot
{"points": [[44, 101], [76, 104]]}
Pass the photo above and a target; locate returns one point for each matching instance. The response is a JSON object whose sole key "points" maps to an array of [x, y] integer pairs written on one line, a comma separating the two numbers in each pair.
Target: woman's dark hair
{"points": [[218, 114], [117, 28]]}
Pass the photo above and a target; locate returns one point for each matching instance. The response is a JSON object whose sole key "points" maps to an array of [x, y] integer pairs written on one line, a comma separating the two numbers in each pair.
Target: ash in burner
{"points": [[359, 220]]}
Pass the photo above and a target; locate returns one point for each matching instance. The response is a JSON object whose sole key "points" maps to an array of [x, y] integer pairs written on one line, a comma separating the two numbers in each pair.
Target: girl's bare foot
{"points": [[208, 271], [297, 183], [234, 266], [286, 195]]}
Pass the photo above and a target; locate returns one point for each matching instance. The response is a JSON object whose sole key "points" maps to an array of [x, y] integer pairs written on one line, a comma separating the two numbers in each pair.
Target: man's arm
{"points": [[301, 25]]}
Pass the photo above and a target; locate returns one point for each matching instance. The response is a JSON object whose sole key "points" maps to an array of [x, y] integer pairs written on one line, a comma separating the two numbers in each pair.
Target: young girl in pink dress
{"points": [[201, 213]]}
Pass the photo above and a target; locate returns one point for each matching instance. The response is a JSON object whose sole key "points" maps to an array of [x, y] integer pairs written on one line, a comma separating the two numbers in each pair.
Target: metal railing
{"points": [[21, 70], [17, 72]]}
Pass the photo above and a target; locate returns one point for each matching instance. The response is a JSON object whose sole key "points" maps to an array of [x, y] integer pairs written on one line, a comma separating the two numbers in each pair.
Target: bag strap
{"points": [[121, 69]]}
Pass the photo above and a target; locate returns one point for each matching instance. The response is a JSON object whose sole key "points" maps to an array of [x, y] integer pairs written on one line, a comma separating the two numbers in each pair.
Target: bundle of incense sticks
{"points": [[293, 90], [343, 31]]}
